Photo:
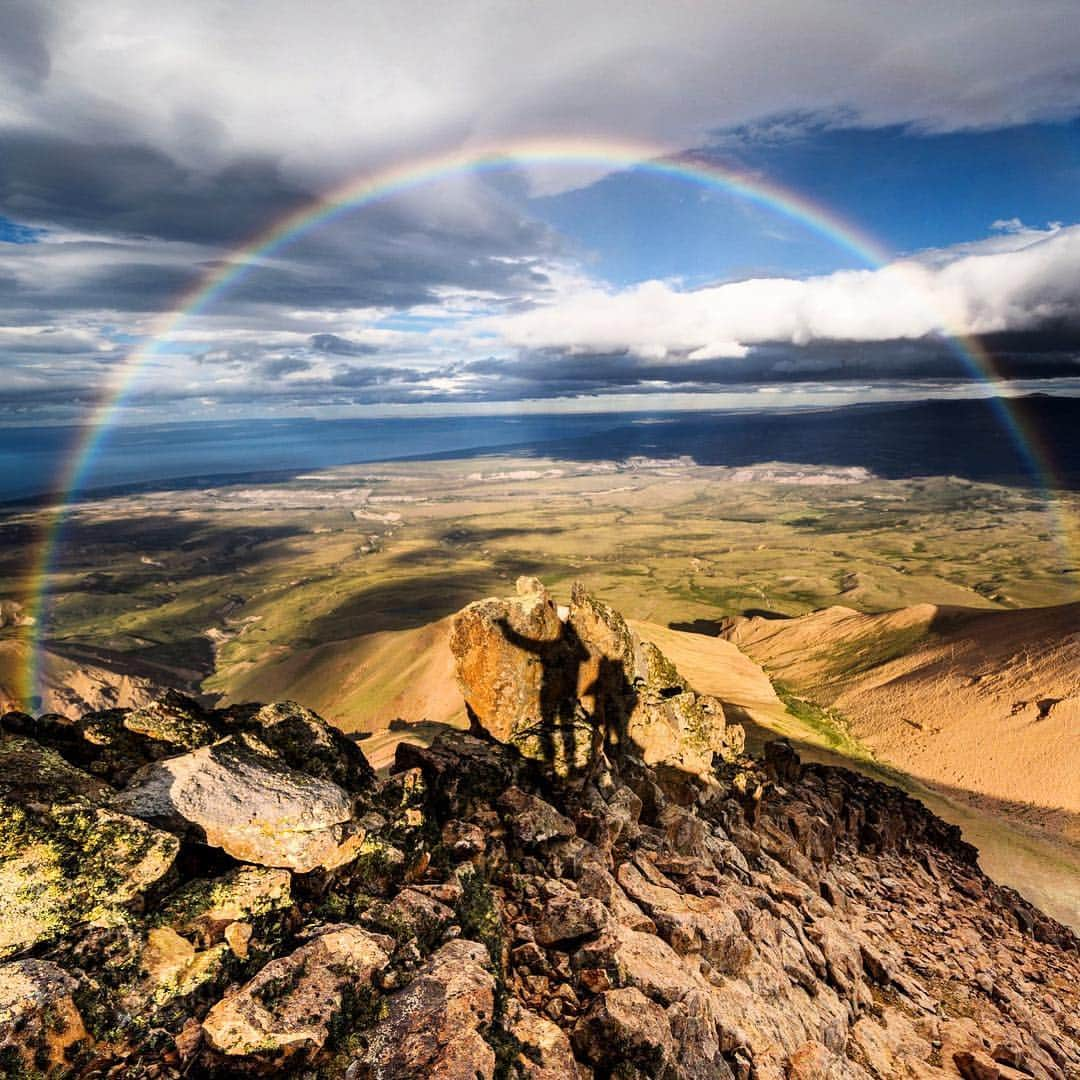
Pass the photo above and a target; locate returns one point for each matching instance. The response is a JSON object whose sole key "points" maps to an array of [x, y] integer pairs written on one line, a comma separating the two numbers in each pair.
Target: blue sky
{"points": [[909, 190], [142, 142]]}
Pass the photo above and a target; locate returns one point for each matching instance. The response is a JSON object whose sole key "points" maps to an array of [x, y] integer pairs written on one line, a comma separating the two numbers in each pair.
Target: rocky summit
{"points": [[595, 882]]}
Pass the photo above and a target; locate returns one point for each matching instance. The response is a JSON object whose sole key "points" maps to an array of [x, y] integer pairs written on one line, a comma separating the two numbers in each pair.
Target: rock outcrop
{"points": [[596, 883], [567, 687]]}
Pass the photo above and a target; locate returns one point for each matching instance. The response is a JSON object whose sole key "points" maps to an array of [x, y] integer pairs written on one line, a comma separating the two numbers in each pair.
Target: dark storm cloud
{"points": [[284, 365], [379, 375], [133, 189]]}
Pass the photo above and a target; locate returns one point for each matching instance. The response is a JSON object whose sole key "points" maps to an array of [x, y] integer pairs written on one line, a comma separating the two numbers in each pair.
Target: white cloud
{"points": [[976, 291], [339, 85]]}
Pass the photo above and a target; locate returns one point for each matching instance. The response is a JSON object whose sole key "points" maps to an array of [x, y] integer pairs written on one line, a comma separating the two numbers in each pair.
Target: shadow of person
{"points": [[599, 714]]}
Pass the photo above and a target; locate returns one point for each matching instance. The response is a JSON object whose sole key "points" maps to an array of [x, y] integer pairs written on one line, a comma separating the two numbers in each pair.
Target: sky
{"points": [[927, 157]]}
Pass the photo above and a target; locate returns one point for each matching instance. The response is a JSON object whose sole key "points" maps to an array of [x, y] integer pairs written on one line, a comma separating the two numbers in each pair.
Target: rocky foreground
{"points": [[595, 883]]}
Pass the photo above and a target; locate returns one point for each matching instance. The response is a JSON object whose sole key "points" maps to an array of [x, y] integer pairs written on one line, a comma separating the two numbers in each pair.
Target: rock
{"points": [[170, 969], [517, 666], [304, 741], [459, 768], [237, 795], [287, 1008], [547, 1054], [35, 777], [698, 1053], [411, 914], [435, 1026], [623, 1027], [205, 909], [813, 1061], [533, 821], [41, 1030], [973, 1065], [690, 924], [641, 960], [781, 762], [115, 742], [71, 866], [566, 918]]}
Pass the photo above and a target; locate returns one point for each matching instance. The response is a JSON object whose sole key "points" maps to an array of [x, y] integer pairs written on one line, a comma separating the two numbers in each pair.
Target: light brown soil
{"points": [[982, 702]]}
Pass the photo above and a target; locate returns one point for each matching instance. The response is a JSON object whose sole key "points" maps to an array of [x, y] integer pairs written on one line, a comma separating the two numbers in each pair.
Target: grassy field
{"points": [[216, 581]]}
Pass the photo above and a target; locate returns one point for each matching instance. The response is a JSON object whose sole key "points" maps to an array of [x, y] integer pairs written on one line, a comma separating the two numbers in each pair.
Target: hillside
{"points": [[597, 883], [980, 702], [73, 685]]}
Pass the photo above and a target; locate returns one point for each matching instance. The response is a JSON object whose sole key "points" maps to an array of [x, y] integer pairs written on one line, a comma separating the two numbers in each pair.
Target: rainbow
{"points": [[370, 187]]}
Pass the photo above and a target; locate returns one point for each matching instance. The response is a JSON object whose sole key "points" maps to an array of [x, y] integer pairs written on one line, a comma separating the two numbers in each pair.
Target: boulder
{"points": [[303, 740], [623, 1027], [565, 693], [70, 866], [41, 1030], [435, 1027], [517, 666], [287, 1008], [238, 795]]}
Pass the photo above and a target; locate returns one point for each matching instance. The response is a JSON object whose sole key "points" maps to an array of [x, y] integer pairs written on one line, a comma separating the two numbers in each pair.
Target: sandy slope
{"points": [[69, 686], [362, 684], [986, 702]]}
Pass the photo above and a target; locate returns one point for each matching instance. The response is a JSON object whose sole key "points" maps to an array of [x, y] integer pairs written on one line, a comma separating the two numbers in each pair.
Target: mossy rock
{"points": [[203, 908], [70, 867]]}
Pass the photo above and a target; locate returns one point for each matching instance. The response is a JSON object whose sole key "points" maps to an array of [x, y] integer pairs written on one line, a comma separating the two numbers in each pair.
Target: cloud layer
{"points": [[324, 91], [141, 141], [1024, 281]]}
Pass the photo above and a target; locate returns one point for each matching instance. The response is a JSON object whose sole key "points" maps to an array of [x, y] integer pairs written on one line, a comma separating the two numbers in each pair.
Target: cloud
{"points": [[339, 346], [24, 50], [203, 83], [1022, 288]]}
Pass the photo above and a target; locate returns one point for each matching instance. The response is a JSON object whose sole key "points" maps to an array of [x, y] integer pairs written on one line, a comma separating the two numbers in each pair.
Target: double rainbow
{"points": [[368, 188]]}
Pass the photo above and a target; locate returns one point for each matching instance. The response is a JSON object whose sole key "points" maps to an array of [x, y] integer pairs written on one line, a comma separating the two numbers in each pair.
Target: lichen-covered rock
{"points": [[303, 740], [171, 969], [287, 1008], [241, 797], [36, 777], [71, 866], [205, 909], [115, 742], [41, 1030], [435, 1027]]}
